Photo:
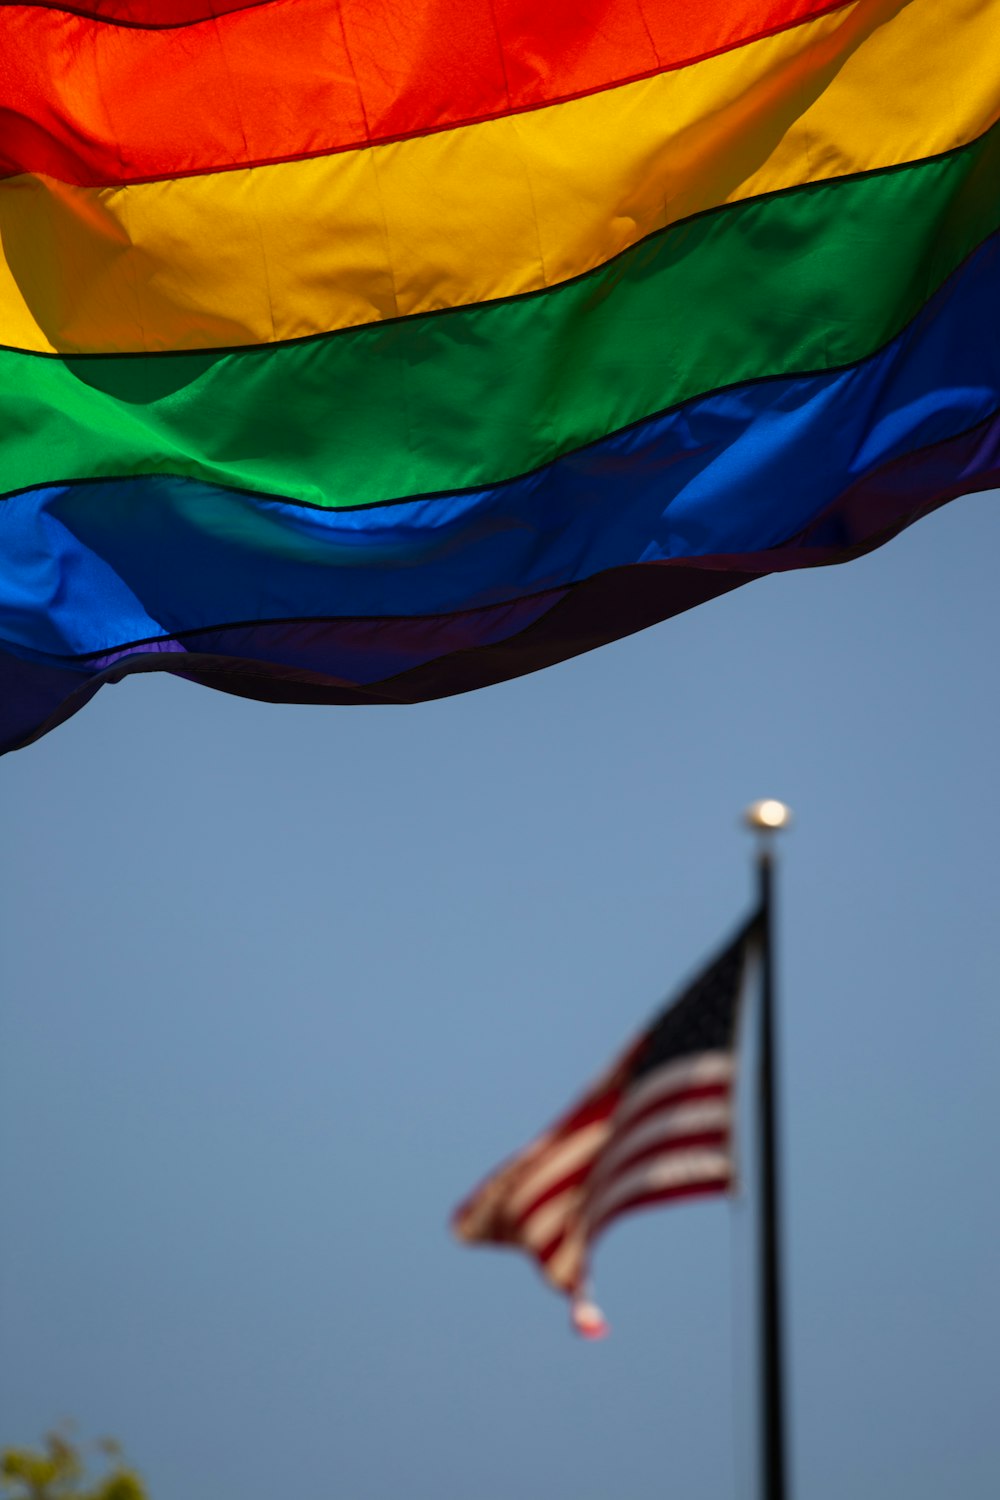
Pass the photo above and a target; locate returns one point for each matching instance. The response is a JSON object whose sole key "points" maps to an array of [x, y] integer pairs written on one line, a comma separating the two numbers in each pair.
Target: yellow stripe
{"points": [[493, 209]]}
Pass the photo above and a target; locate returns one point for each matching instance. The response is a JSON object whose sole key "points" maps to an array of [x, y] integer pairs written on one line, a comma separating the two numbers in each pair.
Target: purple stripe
{"points": [[394, 660]]}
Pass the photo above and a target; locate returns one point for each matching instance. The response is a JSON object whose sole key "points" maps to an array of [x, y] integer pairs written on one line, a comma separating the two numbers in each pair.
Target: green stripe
{"points": [[803, 281]]}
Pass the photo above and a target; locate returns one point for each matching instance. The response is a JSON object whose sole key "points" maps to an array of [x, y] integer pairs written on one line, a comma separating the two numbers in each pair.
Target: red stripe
{"points": [[579, 1175], [549, 1249], [690, 1095], [92, 104], [571, 1179], [659, 1148], [149, 14], [711, 1188], [595, 1107]]}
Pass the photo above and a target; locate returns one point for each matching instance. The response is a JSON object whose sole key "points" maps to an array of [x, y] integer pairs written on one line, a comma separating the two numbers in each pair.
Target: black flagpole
{"points": [[767, 818]]}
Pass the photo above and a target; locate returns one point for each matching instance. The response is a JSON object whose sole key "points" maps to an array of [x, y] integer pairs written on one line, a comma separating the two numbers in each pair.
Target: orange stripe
{"points": [[94, 105], [486, 211]]}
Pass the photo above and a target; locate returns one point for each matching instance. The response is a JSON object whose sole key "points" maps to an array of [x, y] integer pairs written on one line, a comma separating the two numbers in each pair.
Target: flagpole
{"points": [[767, 818]]}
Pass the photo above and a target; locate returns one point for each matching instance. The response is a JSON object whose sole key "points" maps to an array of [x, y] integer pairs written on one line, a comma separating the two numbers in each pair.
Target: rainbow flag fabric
{"points": [[366, 351]]}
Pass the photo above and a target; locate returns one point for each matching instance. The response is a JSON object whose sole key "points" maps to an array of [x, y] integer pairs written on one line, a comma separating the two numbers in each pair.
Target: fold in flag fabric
{"points": [[354, 351], [656, 1127]]}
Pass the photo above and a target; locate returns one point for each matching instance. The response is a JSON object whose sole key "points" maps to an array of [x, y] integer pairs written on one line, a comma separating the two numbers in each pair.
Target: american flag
{"points": [[655, 1127]]}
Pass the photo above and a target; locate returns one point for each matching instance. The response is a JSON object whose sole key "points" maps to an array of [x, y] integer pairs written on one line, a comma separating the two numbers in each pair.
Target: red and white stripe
{"points": [[624, 1146]]}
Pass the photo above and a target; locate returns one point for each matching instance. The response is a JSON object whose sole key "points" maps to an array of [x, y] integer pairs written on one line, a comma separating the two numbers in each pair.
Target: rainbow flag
{"points": [[366, 351]]}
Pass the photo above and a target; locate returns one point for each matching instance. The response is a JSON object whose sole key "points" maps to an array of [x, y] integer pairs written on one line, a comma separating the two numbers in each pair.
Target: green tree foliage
{"points": [[57, 1471]]}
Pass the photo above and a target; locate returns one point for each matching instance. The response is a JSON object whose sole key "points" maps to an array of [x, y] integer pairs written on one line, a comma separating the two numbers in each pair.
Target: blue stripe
{"points": [[88, 567], [411, 659]]}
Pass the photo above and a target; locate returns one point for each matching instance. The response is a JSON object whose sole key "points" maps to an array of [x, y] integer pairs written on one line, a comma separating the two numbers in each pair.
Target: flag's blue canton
{"points": [[704, 1018]]}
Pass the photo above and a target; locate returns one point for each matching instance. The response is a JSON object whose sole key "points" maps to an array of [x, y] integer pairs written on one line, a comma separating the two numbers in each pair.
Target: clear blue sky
{"points": [[278, 985]]}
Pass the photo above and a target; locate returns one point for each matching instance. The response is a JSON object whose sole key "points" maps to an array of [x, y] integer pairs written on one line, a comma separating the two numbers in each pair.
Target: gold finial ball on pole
{"points": [[768, 815]]}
